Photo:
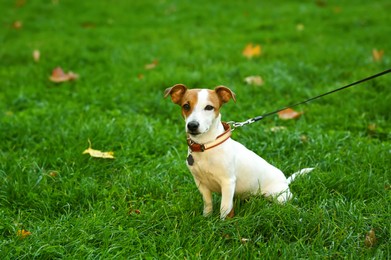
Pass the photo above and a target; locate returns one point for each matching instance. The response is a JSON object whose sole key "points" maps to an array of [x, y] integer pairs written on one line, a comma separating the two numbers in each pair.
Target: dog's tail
{"points": [[301, 172]]}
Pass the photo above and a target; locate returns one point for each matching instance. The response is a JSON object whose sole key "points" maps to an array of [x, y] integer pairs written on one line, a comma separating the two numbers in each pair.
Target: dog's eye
{"points": [[209, 107], [186, 107]]}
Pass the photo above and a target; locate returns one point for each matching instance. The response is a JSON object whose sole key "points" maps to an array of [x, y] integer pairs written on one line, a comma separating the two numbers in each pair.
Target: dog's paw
{"points": [[207, 211], [227, 213]]}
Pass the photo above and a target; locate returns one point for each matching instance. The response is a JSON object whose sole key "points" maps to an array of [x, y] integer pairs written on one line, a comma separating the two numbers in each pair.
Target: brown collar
{"points": [[195, 147]]}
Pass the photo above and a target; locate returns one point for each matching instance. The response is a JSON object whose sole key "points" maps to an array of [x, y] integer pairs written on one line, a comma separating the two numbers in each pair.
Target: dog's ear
{"points": [[225, 94], [176, 92]]}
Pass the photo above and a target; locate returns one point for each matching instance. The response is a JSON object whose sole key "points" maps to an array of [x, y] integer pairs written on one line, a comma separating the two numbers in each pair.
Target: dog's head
{"points": [[200, 107]]}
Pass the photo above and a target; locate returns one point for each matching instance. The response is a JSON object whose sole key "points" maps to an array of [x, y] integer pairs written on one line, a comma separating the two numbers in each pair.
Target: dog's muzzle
{"points": [[192, 127]]}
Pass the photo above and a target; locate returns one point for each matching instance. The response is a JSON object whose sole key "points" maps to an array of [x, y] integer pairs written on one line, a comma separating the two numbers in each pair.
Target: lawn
{"points": [[56, 202]]}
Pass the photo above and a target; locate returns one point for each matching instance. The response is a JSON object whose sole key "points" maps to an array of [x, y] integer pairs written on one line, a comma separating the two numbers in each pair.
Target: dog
{"points": [[217, 162]]}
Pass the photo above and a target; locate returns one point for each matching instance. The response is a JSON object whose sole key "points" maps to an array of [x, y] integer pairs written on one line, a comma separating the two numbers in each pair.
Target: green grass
{"points": [[144, 203]]}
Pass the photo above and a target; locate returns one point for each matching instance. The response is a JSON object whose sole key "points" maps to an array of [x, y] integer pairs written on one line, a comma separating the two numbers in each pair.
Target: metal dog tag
{"points": [[190, 160]]}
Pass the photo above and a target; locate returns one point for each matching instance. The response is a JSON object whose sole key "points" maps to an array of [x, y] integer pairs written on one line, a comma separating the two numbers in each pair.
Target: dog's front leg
{"points": [[207, 197], [227, 196]]}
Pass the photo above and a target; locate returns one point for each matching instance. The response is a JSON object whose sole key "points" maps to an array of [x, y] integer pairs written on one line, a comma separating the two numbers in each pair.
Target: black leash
{"points": [[258, 118]]}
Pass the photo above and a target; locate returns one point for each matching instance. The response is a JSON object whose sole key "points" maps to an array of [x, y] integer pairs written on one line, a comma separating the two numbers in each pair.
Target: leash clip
{"points": [[235, 125]]}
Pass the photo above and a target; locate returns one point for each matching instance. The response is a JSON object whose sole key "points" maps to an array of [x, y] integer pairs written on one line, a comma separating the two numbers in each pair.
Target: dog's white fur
{"points": [[229, 168]]}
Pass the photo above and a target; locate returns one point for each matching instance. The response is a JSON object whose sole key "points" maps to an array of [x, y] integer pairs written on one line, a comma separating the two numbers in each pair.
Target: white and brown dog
{"points": [[218, 163]]}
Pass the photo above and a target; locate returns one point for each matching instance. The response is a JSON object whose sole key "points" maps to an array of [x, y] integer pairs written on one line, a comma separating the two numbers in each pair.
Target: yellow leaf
{"points": [[23, 233], [377, 55], [97, 153], [252, 50], [151, 65]]}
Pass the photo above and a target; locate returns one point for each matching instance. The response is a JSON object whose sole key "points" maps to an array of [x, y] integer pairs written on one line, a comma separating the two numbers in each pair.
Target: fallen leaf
{"points": [[151, 65], [370, 238], [140, 76], [136, 211], [254, 80], [53, 174], [36, 55], [251, 51], [58, 76], [244, 240], [97, 153], [377, 55], [17, 25], [289, 113], [23, 233]]}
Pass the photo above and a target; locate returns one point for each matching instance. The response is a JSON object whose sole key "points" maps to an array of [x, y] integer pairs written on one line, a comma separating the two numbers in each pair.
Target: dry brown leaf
{"points": [[289, 113], [98, 153], [136, 211], [254, 80], [23, 233], [251, 50], [370, 238], [53, 174], [17, 25], [377, 55], [58, 76], [151, 65]]}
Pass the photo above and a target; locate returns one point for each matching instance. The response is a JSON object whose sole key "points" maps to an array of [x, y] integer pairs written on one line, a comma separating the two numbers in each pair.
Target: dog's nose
{"points": [[193, 126]]}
